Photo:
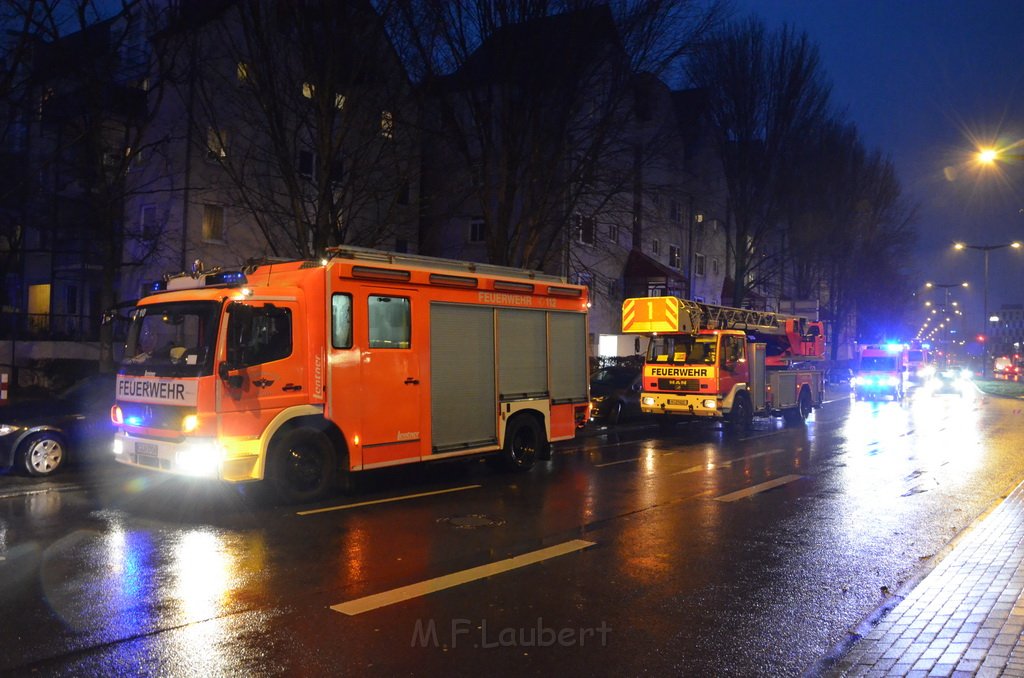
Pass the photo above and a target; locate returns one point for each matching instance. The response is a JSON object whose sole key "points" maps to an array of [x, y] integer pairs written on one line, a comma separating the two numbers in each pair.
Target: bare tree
{"points": [[531, 105], [85, 109], [848, 230], [767, 92], [306, 111]]}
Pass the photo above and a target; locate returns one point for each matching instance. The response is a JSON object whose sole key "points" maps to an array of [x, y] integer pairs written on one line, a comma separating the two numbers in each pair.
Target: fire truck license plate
{"points": [[148, 449]]}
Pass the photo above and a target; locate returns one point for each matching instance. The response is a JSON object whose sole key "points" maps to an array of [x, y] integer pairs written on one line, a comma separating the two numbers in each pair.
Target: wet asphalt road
{"points": [[658, 552]]}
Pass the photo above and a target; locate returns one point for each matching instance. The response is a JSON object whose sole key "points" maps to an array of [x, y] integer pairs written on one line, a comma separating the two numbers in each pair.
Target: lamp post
{"points": [[986, 249], [946, 287]]}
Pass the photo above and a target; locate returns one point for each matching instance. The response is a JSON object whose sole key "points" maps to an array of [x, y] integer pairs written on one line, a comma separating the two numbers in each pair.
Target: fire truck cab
{"points": [[301, 372], [881, 372], [715, 362]]}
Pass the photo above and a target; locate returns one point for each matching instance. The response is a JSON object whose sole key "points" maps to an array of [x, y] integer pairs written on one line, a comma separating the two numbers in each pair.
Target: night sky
{"points": [[925, 82]]}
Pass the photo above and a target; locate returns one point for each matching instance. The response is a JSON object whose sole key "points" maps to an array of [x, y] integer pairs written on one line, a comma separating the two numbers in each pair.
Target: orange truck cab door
{"points": [[263, 367], [391, 396]]}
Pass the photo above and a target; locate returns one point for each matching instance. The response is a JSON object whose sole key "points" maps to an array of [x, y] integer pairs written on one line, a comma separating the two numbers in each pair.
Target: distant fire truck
{"points": [[731, 364], [300, 372], [881, 372]]}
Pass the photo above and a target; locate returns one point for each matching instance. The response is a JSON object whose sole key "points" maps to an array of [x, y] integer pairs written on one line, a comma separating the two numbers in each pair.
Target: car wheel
{"points": [[303, 466], [523, 442], [42, 454], [615, 414]]}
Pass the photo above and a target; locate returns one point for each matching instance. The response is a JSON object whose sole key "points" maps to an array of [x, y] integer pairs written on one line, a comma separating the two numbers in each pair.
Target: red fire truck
{"points": [[723, 363], [300, 372]]}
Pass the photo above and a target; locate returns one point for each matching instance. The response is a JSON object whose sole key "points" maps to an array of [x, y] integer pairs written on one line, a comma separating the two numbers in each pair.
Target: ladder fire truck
{"points": [[301, 372], [715, 362]]}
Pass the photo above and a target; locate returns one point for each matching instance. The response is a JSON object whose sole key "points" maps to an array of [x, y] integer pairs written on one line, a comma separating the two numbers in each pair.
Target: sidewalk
{"points": [[964, 618]]}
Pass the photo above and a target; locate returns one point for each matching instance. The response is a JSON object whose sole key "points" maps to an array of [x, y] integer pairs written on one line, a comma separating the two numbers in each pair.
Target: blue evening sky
{"points": [[924, 81]]}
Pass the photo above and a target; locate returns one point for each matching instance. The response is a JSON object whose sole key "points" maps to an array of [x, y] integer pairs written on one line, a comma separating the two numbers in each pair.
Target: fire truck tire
{"points": [[742, 414], [524, 442], [799, 414], [303, 466]]}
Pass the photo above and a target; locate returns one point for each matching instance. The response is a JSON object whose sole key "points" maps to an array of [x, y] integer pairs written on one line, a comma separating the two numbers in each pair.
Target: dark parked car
{"points": [[615, 394], [38, 437], [838, 376]]}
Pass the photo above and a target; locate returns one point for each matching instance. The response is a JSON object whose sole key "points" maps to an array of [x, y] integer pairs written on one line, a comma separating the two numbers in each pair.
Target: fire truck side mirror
{"points": [[230, 374]]}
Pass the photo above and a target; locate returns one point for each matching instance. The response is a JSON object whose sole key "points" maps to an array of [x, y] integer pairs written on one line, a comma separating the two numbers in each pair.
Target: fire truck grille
{"points": [[165, 417], [678, 385]]}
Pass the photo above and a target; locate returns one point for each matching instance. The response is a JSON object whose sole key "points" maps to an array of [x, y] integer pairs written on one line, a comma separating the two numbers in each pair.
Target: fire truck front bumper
{"points": [[197, 457], [681, 404]]}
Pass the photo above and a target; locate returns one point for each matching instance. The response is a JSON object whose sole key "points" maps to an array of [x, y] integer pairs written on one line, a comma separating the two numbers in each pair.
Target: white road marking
{"points": [[386, 501], [725, 464], [378, 600], [761, 487]]}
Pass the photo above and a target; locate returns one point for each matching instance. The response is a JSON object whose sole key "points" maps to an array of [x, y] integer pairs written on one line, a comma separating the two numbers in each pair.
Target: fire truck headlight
{"points": [[189, 423], [118, 446], [199, 458], [711, 403], [892, 381], [648, 400]]}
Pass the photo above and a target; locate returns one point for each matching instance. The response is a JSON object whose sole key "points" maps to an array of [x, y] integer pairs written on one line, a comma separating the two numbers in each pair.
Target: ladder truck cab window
{"points": [[172, 340], [683, 349]]}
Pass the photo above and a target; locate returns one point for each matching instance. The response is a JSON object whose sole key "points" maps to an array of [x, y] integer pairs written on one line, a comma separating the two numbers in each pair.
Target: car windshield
{"points": [[174, 339], [878, 364], [98, 385], [683, 349], [613, 378]]}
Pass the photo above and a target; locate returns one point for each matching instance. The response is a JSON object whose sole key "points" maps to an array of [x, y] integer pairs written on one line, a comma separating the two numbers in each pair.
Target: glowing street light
{"points": [[986, 249], [945, 287]]}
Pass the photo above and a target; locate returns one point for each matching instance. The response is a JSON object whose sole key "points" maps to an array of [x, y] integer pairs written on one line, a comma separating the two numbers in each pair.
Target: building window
{"points": [[213, 223], [242, 71], [677, 212], [216, 143], [714, 265], [404, 192], [477, 230], [147, 222], [387, 125], [698, 264], [613, 233], [339, 101], [656, 246], [585, 229], [307, 90], [674, 259]]}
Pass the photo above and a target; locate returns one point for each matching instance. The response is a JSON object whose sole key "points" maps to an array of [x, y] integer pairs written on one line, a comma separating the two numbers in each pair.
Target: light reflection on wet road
{"points": [[119, 574]]}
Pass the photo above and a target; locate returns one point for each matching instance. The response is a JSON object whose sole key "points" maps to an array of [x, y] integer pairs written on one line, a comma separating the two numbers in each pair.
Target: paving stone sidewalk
{"points": [[964, 618]]}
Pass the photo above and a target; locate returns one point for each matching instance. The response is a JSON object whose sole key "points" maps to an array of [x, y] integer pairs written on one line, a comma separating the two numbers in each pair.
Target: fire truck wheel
{"points": [[303, 464], [523, 442], [799, 414], [742, 415]]}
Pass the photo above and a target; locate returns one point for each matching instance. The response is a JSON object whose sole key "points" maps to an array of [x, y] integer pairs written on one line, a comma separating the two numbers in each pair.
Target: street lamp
{"points": [[946, 287], [986, 249]]}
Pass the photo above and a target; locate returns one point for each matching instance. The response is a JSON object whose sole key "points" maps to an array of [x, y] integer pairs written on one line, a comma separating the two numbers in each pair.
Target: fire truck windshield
{"points": [[175, 339], [683, 349]]}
